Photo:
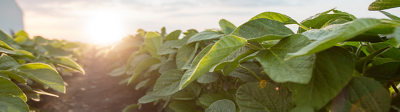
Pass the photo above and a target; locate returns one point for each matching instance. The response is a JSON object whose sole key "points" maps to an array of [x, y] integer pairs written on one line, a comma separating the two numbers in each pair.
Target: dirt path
{"points": [[94, 92]]}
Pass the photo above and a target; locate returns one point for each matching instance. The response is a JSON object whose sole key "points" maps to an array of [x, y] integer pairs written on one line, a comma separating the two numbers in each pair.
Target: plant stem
{"points": [[394, 87], [287, 88], [358, 52], [251, 72]]}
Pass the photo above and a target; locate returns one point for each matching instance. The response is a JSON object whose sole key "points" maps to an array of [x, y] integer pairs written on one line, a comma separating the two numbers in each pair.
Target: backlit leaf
{"points": [[226, 26], [9, 88], [262, 29], [168, 83], [153, 41], [383, 4], [219, 51], [44, 74]]}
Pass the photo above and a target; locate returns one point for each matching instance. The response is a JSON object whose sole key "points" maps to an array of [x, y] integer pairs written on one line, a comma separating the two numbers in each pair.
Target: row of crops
{"points": [[29, 66], [334, 62]]}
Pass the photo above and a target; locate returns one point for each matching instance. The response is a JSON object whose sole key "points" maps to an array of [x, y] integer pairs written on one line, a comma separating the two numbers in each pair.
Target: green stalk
{"points": [[358, 52], [394, 87], [251, 72]]}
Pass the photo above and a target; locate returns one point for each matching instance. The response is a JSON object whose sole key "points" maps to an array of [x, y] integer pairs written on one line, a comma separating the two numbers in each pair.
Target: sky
{"points": [[102, 21]]}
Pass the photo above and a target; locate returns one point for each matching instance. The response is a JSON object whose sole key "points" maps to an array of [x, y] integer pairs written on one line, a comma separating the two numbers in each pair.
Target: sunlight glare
{"points": [[105, 26]]}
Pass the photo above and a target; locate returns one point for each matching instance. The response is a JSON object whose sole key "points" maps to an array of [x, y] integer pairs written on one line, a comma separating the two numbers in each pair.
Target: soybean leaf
{"points": [[174, 35], [170, 64], [397, 34], [383, 4], [6, 46], [168, 83], [183, 106], [208, 77], [7, 62], [232, 61], [262, 29], [142, 66], [275, 16], [153, 41], [9, 88], [222, 106], [362, 94], [319, 20], [141, 84], [391, 52], [333, 69], [44, 74], [246, 75], [226, 26], [183, 95], [149, 97], [68, 63], [129, 107], [251, 97], [208, 99], [10, 103], [13, 76], [118, 71], [345, 32], [361, 62], [219, 51], [391, 16], [185, 55], [205, 35], [298, 70], [5, 37], [384, 72], [135, 61], [303, 109], [167, 47]]}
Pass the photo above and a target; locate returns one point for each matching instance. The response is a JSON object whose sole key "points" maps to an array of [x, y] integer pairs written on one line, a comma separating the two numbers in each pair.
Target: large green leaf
{"points": [[6, 46], [168, 83], [185, 55], [135, 59], [345, 32], [170, 64], [21, 53], [149, 97], [142, 66], [5, 37], [174, 35], [167, 47], [208, 99], [333, 69], [153, 41], [384, 72], [7, 62], [275, 16], [68, 63], [205, 35], [383, 4], [9, 88], [397, 34], [319, 20], [243, 74], [362, 95], [44, 74], [232, 61], [303, 109], [298, 70], [251, 97], [226, 26], [219, 51], [222, 106], [208, 77], [391, 52], [391, 16], [9, 103], [262, 29], [183, 106]]}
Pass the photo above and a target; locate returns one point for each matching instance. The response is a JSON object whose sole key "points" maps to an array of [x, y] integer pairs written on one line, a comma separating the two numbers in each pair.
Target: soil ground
{"points": [[95, 91]]}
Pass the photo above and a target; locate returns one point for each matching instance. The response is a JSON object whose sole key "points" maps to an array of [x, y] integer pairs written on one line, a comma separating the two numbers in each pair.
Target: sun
{"points": [[104, 26]]}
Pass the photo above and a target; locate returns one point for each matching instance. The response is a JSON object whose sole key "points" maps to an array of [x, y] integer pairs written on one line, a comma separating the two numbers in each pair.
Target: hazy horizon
{"points": [[86, 21]]}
